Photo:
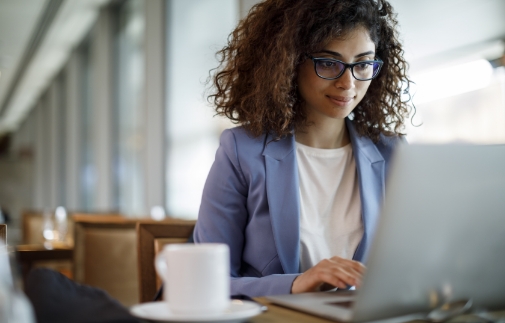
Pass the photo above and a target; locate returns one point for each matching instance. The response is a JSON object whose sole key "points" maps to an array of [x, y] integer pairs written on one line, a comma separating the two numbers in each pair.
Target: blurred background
{"points": [[103, 108]]}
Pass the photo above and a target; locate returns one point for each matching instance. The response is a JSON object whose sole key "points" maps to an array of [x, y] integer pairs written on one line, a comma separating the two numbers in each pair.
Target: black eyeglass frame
{"points": [[346, 66]]}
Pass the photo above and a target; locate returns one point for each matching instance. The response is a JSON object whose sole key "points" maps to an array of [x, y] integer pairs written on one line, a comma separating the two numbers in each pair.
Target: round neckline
{"points": [[324, 152]]}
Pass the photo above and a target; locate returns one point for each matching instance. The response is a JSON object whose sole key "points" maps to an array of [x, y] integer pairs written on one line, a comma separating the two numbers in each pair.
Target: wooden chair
{"points": [[3, 233], [105, 253], [151, 239], [32, 224]]}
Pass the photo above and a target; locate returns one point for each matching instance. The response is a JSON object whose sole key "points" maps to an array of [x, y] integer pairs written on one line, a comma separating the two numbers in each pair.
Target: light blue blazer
{"points": [[251, 202]]}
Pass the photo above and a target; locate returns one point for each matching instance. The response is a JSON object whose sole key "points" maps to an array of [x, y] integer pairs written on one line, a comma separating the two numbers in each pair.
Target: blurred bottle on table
{"points": [[60, 216], [48, 231], [55, 228]]}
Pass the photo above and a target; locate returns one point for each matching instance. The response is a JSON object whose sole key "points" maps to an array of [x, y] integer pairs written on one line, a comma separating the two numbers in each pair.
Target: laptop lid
{"points": [[441, 236]]}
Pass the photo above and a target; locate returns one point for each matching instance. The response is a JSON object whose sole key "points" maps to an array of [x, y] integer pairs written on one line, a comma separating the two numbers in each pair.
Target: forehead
{"points": [[354, 42]]}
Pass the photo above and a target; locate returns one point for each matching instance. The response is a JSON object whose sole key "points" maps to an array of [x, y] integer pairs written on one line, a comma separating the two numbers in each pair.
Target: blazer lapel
{"points": [[370, 166], [283, 200]]}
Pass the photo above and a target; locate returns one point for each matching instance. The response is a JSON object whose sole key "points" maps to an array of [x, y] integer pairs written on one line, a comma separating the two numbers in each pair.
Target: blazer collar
{"points": [[278, 150], [363, 145]]}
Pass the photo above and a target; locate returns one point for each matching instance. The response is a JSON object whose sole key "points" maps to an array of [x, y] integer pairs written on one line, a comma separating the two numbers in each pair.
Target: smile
{"points": [[341, 101]]}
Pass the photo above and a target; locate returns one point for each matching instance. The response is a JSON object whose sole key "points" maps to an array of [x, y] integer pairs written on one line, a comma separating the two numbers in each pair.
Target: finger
{"points": [[336, 271], [355, 272], [346, 274], [333, 273], [349, 267], [355, 265], [358, 266], [312, 279], [329, 277], [350, 262], [350, 277]]}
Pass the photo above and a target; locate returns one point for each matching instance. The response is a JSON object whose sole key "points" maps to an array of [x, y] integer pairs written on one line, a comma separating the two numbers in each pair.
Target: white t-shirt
{"points": [[330, 206]]}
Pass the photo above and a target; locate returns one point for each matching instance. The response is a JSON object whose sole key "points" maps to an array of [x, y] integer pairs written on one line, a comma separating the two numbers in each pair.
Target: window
{"points": [[196, 30], [460, 103], [128, 111], [87, 168]]}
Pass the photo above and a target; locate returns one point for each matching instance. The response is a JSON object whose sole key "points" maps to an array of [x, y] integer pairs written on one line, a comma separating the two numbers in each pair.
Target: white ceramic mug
{"points": [[196, 278]]}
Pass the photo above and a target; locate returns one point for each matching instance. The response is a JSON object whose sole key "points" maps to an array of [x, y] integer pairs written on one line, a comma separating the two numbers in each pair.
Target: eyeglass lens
{"points": [[333, 69]]}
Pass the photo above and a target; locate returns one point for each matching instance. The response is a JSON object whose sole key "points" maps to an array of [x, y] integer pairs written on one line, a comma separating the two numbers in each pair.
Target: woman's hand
{"points": [[336, 271]]}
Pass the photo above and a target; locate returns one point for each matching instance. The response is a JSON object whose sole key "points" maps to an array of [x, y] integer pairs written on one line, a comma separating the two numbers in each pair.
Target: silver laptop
{"points": [[441, 238]]}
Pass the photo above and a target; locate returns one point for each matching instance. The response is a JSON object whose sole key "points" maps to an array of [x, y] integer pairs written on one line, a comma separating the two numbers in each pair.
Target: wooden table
{"points": [[279, 314], [28, 255]]}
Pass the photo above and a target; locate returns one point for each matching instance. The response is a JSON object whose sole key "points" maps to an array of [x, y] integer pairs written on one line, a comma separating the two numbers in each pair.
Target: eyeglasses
{"points": [[331, 69]]}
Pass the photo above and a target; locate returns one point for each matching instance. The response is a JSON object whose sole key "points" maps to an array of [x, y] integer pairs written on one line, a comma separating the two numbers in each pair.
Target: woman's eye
{"points": [[362, 67], [327, 64]]}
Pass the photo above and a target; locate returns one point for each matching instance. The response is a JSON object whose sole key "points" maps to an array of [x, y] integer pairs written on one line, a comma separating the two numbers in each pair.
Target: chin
{"points": [[341, 113]]}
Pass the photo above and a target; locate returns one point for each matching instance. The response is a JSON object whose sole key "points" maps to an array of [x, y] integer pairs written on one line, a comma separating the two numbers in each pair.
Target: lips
{"points": [[341, 100]]}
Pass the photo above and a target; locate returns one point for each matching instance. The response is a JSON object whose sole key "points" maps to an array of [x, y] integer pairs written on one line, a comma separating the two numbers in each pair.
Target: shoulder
{"points": [[387, 144], [240, 133], [241, 141], [390, 142], [384, 147]]}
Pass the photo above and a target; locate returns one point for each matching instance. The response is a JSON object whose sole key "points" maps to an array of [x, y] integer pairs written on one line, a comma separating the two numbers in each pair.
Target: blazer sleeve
{"points": [[223, 218]]}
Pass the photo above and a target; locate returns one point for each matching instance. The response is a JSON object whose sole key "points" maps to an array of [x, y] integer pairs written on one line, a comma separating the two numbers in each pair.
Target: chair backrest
{"points": [[32, 224], [3, 233], [151, 239], [105, 254]]}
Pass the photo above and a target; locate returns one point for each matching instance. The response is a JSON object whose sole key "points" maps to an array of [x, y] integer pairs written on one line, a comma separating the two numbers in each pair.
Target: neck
{"points": [[324, 134]]}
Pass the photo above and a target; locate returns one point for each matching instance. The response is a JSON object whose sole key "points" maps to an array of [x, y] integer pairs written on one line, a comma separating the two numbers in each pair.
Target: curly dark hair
{"points": [[255, 83]]}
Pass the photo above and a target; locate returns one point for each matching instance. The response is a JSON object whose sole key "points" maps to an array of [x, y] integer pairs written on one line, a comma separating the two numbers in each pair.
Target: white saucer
{"points": [[158, 311]]}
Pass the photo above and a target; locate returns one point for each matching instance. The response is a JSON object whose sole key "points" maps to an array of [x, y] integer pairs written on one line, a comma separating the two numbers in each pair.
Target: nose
{"points": [[346, 80]]}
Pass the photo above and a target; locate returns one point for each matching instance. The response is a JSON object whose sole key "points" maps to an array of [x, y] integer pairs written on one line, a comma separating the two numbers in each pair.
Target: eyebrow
{"points": [[371, 52]]}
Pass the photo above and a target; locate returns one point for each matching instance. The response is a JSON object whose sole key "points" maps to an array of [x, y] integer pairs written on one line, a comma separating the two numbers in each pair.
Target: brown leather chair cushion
{"points": [[111, 262]]}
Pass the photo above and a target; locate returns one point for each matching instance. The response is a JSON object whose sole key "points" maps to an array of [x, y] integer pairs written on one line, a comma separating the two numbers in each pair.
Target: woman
{"points": [[295, 190]]}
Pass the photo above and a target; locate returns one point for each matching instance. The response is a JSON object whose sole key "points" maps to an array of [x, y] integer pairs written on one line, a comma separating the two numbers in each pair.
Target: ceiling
{"points": [[21, 81], [17, 21], [434, 32]]}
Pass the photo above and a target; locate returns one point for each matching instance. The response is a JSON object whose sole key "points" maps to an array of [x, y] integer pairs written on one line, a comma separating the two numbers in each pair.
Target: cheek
{"points": [[363, 88]]}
